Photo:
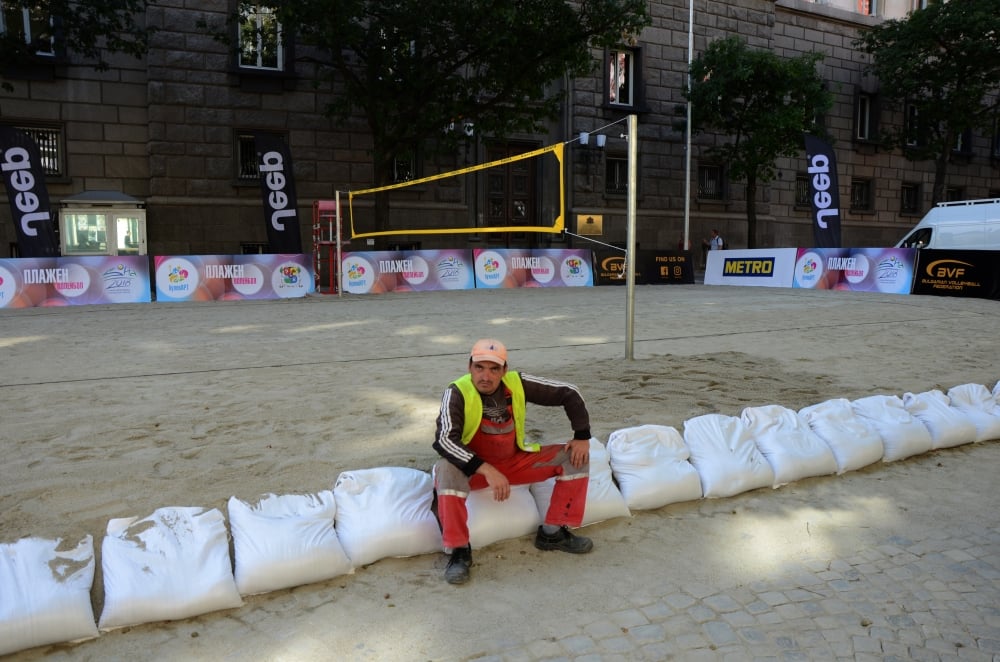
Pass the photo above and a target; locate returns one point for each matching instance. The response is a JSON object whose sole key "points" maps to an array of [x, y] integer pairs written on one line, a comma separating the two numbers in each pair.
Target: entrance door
{"points": [[511, 198]]}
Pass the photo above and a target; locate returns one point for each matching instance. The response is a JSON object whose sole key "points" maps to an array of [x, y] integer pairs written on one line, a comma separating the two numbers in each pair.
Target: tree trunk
{"points": [[940, 172], [751, 193]]}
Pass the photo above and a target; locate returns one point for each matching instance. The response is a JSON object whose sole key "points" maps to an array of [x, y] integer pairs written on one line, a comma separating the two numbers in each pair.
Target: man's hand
{"points": [[579, 451], [496, 480]]}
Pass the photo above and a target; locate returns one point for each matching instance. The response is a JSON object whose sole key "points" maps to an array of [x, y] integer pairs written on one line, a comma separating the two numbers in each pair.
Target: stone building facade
{"points": [[171, 130]]}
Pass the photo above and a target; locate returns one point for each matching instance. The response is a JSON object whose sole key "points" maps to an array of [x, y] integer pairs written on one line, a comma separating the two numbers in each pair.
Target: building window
{"points": [[963, 143], [910, 198], [50, 146], [711, 185], [865, 117], [954, 193], [913, 128], [861, 195], [995, 143], [261, 45], [246, 156], [623, 79], [32, 23], [615, 176], [404, 167], [803, 192], [920, 4], [868, 7]]}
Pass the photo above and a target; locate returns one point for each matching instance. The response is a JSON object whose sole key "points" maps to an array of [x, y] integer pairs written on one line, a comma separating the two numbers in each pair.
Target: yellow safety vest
{"points": [[474, 409]]}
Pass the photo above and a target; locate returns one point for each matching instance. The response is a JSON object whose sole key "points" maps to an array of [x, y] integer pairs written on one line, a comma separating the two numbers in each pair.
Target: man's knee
{"points": [[449, 479]]}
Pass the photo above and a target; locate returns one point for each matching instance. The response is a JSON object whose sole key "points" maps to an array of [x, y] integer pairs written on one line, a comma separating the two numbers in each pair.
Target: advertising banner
{"points": [[609, 268], [74, 281], [24, 178], [666, 267], [277, 187], [376, 272], [824, 192], [958, 273], [548, 267], [232, 277], [653, 267], [761, 267], [888, 270]]}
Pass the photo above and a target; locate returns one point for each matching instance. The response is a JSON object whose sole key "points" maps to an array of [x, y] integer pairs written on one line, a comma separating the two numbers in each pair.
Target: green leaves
{"points": [[945, 61], [761, 102]]}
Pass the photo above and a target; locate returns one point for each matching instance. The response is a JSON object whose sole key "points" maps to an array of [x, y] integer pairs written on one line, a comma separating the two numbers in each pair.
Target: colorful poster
{"points": [[74, 281], [888, 270], [232, 277], [552, 267], [377, 272]]}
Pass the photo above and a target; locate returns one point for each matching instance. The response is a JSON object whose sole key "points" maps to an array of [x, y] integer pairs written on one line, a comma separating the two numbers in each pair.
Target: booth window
{"points": [[622, 78], [50, 145], [261, 43], [910, 198], [862, 198], [246, 156], [33, 23], [711, 183]]}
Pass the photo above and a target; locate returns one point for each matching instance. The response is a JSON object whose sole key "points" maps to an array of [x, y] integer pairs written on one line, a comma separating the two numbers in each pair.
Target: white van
{"points": [[964, 225]]}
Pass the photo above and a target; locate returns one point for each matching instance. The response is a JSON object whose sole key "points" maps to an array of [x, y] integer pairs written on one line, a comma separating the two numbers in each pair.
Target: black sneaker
{"points": [[457, 571], [564, 541]]}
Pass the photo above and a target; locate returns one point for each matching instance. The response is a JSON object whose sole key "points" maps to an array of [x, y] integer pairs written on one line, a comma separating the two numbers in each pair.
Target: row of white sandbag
{"points": [[175, 563]]}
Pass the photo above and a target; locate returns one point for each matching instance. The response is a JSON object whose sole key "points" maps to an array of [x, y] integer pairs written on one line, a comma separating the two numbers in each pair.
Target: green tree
{"points": [[413, 67], [944, 61], [761, 104], [88, 30]]}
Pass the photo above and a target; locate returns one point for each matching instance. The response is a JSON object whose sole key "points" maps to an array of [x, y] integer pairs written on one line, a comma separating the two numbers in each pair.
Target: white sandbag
{"points": [[604, 500], [285, 540], [491, 521], [725, 455], [853, 442], [790, 446], [171, 565], [650, 464], [385, 512], [45, 593], [979, 405], [948, 425], [902, 435]]}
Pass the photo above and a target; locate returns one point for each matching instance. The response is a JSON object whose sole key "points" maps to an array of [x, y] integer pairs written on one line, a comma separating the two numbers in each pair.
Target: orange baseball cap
{"points": [[490, 350]]}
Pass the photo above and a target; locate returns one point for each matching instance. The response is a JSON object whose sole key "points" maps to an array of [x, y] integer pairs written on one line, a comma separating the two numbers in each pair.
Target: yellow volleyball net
{"points": [[519, 193]]}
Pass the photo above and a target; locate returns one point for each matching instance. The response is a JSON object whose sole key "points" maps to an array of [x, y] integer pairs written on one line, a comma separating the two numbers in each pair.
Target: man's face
{"points": [[486, 375]]}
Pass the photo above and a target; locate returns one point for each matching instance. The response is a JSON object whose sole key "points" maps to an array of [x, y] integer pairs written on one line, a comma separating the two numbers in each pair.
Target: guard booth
{"points": [[102, 223]]}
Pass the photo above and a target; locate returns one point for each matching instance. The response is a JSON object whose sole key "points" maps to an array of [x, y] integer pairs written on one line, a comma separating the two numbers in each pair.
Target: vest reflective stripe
{"points": [[474, 408]]}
